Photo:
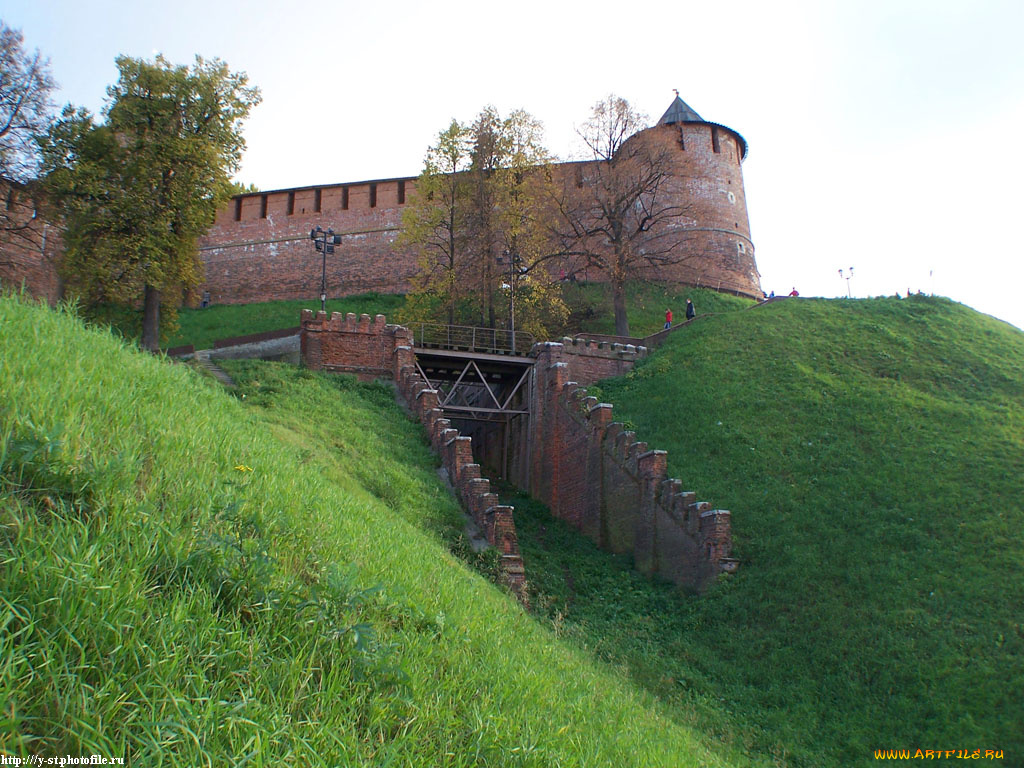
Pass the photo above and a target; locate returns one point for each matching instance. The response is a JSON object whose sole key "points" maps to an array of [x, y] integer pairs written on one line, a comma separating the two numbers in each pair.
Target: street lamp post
{"points": [[325, 242], [513, 268], [847, 277]]}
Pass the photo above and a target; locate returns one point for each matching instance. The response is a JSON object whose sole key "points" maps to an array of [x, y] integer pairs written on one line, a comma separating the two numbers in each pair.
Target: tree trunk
{"points": [[151, 319], [619, 302]]}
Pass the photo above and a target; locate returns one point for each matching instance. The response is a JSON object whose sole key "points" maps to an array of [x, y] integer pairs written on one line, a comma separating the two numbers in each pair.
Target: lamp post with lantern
{"points": [[847, 277], [324, 242], [515, 269]]}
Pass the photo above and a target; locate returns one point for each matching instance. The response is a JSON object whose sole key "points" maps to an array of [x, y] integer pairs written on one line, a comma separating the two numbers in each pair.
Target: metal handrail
{"points": [[468, 338]]}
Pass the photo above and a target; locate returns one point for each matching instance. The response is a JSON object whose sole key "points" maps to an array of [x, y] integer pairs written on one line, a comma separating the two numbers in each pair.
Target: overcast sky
{"points": [[884, 134]]}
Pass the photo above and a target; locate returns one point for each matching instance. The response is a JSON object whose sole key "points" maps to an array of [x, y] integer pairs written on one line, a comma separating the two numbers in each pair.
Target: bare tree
{"points": [[25, 113], [624, 211]]}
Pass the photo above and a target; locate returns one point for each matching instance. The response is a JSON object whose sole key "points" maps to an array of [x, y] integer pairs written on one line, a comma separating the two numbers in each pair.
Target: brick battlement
{"points": [[590, 361], [258, 248], [610, 350], [595, 474]]}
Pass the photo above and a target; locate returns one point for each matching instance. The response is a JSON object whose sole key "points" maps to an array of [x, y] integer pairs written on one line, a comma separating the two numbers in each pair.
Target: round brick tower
{"points": [[712, 232]]}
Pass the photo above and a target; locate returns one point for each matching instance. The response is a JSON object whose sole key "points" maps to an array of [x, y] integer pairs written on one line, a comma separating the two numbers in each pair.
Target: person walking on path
{"points": [[668, 319], [690, 313]]}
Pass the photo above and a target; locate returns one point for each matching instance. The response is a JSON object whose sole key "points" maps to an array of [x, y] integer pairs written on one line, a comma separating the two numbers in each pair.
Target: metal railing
{"points": [[465, 338]]}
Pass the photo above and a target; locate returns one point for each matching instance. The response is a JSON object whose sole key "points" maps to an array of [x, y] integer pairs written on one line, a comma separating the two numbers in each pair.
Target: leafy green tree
{"points": [[139, 189], [26, 111], [434, 224], [477, 221], [523, 188], [238, 188]]}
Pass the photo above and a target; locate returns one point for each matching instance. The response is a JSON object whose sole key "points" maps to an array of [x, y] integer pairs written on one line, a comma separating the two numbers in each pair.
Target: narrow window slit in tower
{"points": [[682, 137], [715, 146], [373, 195], [291, 203], [317, 198], [344, 198], [263, 206], [401, 192], [238, 209]]}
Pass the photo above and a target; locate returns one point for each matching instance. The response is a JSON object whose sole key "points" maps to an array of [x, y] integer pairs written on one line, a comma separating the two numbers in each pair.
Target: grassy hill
{"points": [[873, 455], [202, 327], [190, 578]]}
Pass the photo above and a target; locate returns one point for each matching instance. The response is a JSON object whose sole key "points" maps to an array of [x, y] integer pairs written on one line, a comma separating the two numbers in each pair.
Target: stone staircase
{"points": [[202, 358]]}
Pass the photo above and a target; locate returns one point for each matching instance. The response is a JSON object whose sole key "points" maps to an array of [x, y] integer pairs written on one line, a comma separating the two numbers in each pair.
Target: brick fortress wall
{"points": [[258, 248], [29, 253], [374, 349], [598, 477]]}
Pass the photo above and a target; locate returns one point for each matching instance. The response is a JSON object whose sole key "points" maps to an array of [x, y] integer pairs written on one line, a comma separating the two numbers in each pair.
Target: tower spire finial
{"points": [[676, 92]]}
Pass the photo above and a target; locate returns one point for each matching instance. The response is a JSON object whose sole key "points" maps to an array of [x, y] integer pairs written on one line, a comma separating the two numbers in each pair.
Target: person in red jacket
{"points": [[668, 319], [794, 292]]}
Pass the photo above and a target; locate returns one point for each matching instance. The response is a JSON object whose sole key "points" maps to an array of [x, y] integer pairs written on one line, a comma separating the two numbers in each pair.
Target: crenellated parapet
{"points": [[597, 475], [347, 343], [258, 247], [589, 360]]}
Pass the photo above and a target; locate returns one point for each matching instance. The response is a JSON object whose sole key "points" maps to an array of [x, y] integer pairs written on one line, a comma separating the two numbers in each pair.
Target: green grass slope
{"points": [[191, 579], [591, 306], [202, 327], [872, 453], [592, 311]]}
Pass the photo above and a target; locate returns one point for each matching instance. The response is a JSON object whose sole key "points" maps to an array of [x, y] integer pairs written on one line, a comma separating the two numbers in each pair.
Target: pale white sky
{"points": [[884, 134]]}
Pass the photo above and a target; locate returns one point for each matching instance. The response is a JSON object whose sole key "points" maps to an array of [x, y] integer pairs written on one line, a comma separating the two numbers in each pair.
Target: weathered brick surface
{"points": [[714, 230], [373, 349], [262, 256], [29, 254], [597, 476], [589, 361], [347, 344]]}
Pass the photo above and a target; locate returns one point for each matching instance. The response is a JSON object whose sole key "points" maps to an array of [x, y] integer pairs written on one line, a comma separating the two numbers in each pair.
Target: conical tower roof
{"points": [[680, 112]]}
